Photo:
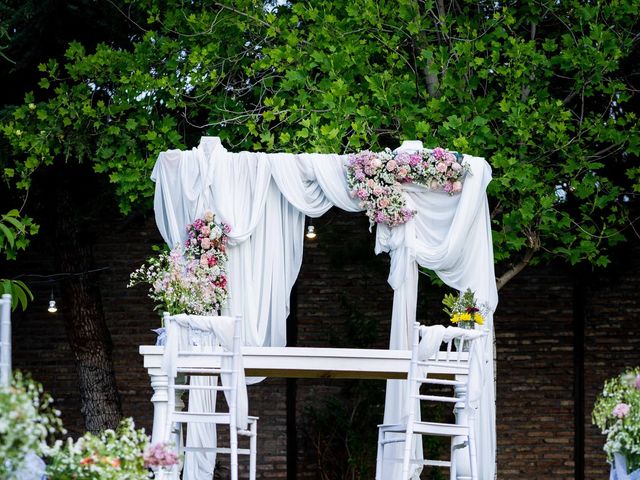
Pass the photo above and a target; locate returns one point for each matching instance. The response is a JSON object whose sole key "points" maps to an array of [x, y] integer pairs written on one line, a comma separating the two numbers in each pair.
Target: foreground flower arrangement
{"points": [[109, 455], [191, 278], [463, 309], [28, 425], [617, 414], [27, 422], [375, 179]]}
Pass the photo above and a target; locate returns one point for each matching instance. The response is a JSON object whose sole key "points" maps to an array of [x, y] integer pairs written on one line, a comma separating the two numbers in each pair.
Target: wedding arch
{"points": [[266, 197]]}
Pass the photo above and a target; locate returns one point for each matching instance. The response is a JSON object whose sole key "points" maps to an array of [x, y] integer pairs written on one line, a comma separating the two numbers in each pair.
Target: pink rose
{"points": [[450, 158], [414, 159], [362, 194], [441, 167], [206, 230], [456, 187], [391, 165], [383, 202], [376, 163], [402, 172], [370, 183], [434, 185], [204, 261], [621, 410], [205, 243], [456, 166], [377, 191]]}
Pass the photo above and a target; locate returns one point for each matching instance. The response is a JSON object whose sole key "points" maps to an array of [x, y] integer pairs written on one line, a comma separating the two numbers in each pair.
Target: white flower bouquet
{"points": [[617, 414], [27, 421]]}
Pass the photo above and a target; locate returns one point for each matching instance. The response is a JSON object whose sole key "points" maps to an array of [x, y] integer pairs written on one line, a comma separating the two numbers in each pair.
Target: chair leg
{"points": [[453, 469], [408, 442], [253, 447], [179, 442], [233, 435], [380, 455], [472, 452]]}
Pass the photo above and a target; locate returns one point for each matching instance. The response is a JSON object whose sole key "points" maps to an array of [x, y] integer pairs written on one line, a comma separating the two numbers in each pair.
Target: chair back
{"points": [[5, 340], [205, 353], [450, 348]]}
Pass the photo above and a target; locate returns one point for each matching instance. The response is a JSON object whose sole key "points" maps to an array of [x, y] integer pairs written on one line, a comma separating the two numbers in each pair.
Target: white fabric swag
{"points": [[265, 197]]}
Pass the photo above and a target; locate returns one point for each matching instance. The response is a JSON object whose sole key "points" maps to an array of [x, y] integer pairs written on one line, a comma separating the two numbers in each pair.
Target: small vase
{"points": [[467, 326]]}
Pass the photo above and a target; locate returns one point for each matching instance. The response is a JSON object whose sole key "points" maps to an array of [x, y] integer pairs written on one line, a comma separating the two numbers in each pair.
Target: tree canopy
{"points": [[546, 91]]}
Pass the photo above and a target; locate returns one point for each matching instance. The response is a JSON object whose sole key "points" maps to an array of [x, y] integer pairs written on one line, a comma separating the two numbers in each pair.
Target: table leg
{"points": [[159, 383]]}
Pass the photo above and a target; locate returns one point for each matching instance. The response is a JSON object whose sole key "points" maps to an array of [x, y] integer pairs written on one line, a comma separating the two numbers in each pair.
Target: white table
{"points": [[289, 362]]}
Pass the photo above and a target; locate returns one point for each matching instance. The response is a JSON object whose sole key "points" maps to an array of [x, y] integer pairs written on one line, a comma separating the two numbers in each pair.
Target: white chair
{"points": [[5, 340], [222, 364], [426, 353]]}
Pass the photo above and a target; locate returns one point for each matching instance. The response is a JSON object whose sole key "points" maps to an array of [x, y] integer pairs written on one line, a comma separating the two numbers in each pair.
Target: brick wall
{"points": [[342, 288]]}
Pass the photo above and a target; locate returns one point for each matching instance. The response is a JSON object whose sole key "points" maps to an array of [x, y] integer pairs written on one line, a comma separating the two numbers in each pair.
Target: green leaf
{"points": [[7, 234]]}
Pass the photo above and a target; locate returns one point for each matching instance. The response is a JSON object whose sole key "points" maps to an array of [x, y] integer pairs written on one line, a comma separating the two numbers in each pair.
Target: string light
{"points": [[311, 232], [52, 304]]}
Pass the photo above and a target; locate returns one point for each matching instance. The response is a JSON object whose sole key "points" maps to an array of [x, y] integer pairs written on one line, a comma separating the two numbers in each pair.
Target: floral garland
{"points": [[375, 179], [191, 278]]}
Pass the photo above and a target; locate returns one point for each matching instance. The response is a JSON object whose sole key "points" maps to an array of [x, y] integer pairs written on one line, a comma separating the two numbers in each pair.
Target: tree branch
{"points": [[433, 84], [516, 269]]}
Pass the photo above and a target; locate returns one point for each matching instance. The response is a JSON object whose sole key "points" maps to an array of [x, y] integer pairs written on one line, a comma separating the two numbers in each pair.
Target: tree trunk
{"points": [[85, 324]]}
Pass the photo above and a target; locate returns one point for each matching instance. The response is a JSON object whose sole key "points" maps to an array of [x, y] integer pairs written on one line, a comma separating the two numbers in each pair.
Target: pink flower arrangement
{"points": [[376, 179], [191, 278], [159, 455]]}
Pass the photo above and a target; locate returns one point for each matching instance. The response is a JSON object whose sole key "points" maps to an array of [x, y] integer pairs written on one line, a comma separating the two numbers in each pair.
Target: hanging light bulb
{"points": [[311, 232], [52, 304]]}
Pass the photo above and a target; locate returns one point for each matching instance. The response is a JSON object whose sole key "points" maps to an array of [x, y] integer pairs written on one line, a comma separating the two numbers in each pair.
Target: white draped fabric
{"points": [[265, 197]]}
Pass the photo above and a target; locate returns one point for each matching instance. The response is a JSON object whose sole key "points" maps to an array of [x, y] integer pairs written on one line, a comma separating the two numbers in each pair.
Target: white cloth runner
{"points": [[433, 337], [265, 197]]}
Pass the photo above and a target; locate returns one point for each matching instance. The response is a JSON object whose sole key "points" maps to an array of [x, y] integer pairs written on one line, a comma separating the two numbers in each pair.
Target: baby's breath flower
{"points": [[26, 423]]}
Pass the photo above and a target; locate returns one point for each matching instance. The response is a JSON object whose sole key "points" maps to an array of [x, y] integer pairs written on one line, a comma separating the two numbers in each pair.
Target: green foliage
{"points": [[20, 293], [14, 236], [544, 90], [14, 233], [623, 431], [27, 422]]}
